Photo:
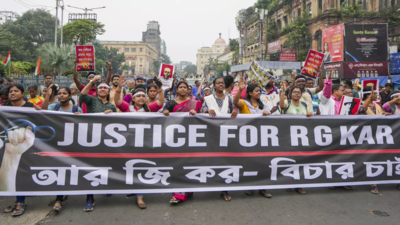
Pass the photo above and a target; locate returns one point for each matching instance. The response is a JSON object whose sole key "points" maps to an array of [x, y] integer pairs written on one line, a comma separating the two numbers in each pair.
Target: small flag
{"points": [[7, 62], [37, 70]]}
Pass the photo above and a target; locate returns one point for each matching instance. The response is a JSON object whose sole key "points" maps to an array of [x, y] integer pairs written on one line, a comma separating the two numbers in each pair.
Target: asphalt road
{"points": [[320, 206]]}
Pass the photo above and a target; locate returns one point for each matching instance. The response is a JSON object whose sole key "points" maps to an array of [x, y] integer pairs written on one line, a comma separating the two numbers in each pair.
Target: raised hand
{"points": [[108, 63], [121, 81], [330, 75], [242, 84]]}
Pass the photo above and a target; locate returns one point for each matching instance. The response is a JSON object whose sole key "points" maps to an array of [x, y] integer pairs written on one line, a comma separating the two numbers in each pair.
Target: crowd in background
{"points": [[223, 95]]}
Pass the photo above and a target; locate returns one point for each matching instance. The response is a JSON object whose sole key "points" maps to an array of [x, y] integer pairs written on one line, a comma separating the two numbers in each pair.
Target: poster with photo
{"points": [[166, 72], [349, 105], [332, 43], [259, 75]]}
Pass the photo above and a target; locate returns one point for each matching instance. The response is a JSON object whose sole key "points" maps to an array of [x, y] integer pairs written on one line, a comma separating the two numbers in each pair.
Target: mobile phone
{"points": [[159, 84]]}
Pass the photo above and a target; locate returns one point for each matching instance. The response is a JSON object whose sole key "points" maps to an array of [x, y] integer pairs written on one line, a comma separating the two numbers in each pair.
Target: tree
{"points": [[167, 60], [26, 34], [22, 67], [57, 58], [156, 65], [191, 69], [83, 30], [233, 45], [2, 69], [104, 54]]}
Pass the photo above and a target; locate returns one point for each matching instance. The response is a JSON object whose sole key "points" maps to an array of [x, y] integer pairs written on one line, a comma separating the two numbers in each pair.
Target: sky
{"points": [[186, 25]]}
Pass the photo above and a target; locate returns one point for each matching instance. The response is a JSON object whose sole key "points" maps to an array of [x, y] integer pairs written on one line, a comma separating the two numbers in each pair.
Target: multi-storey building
{"points": [[152, 37], [204, 54], [138, 56]]}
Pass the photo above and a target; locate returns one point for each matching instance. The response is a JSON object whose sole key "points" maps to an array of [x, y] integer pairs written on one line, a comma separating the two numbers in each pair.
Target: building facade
{"points": [[152, 37], [205, 54], [138, 56]]}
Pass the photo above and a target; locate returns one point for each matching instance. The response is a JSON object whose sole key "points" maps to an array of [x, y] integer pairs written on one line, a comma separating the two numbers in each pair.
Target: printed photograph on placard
{"points": [[259, 75], [166, 72], [372, 83], [349, 105]]}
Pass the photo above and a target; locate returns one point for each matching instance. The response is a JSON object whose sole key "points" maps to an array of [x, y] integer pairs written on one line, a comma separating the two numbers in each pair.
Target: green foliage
{"points": [[2, 69], [353, 11], [233, 44], [299, 39], [23, 67], [57, 58], [26, 34], [156, 65], [104, 54], [84, 30], [391, 15], [272, 31], [252, 19], [123, 68], [167, 60], [191, 69]]}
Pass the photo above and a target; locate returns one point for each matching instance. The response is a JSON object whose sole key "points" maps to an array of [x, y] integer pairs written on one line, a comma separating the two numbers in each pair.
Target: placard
{"points": [[313, 62], [272, 101], [166, 72], [258, 74], [349, 105], [373, 83], [85, 57]]}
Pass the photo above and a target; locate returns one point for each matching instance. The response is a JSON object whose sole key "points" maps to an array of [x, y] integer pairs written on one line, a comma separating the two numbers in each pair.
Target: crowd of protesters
{"points": [[300, 96]]}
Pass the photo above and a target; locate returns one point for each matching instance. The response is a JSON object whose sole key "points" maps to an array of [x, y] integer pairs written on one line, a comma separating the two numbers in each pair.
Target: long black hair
{"points": [[251, 88], [142, 88], [69, 93], [150, 86]]}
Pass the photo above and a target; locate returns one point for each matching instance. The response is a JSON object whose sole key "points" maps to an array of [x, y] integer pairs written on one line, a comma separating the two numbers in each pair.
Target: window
{"points": [[363, 3], [126, 49], [318, 37], [309, 10], [279, 24], [285, 19], [133, 50], [141, 49], [383, 4], [320, 5]]}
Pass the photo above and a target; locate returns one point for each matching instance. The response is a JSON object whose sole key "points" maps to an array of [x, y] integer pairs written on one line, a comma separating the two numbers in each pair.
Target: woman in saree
{"points": [[182, 103]]}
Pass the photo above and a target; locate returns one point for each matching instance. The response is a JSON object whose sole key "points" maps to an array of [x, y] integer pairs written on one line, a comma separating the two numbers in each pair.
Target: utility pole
{"points": [[55, 30], [62, 24]]}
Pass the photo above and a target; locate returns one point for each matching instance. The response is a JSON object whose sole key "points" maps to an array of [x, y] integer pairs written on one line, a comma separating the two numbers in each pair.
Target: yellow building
{"points": [[205, 53], [137, 54]]}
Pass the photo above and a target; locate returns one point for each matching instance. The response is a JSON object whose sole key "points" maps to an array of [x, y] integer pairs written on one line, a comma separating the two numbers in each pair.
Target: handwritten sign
{"points": [[85, 56], [313, 62]]}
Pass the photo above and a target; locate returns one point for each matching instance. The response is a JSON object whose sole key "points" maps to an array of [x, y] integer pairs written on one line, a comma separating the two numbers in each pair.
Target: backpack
{"points": [[289, 103], [75, 108]]}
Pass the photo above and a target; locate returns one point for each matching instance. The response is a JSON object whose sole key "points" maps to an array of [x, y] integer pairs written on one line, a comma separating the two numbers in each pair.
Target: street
{"points": [[318, 206]]}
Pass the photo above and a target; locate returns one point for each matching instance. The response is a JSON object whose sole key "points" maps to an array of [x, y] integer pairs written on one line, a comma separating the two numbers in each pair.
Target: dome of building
{"points": [[220, 40]]}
